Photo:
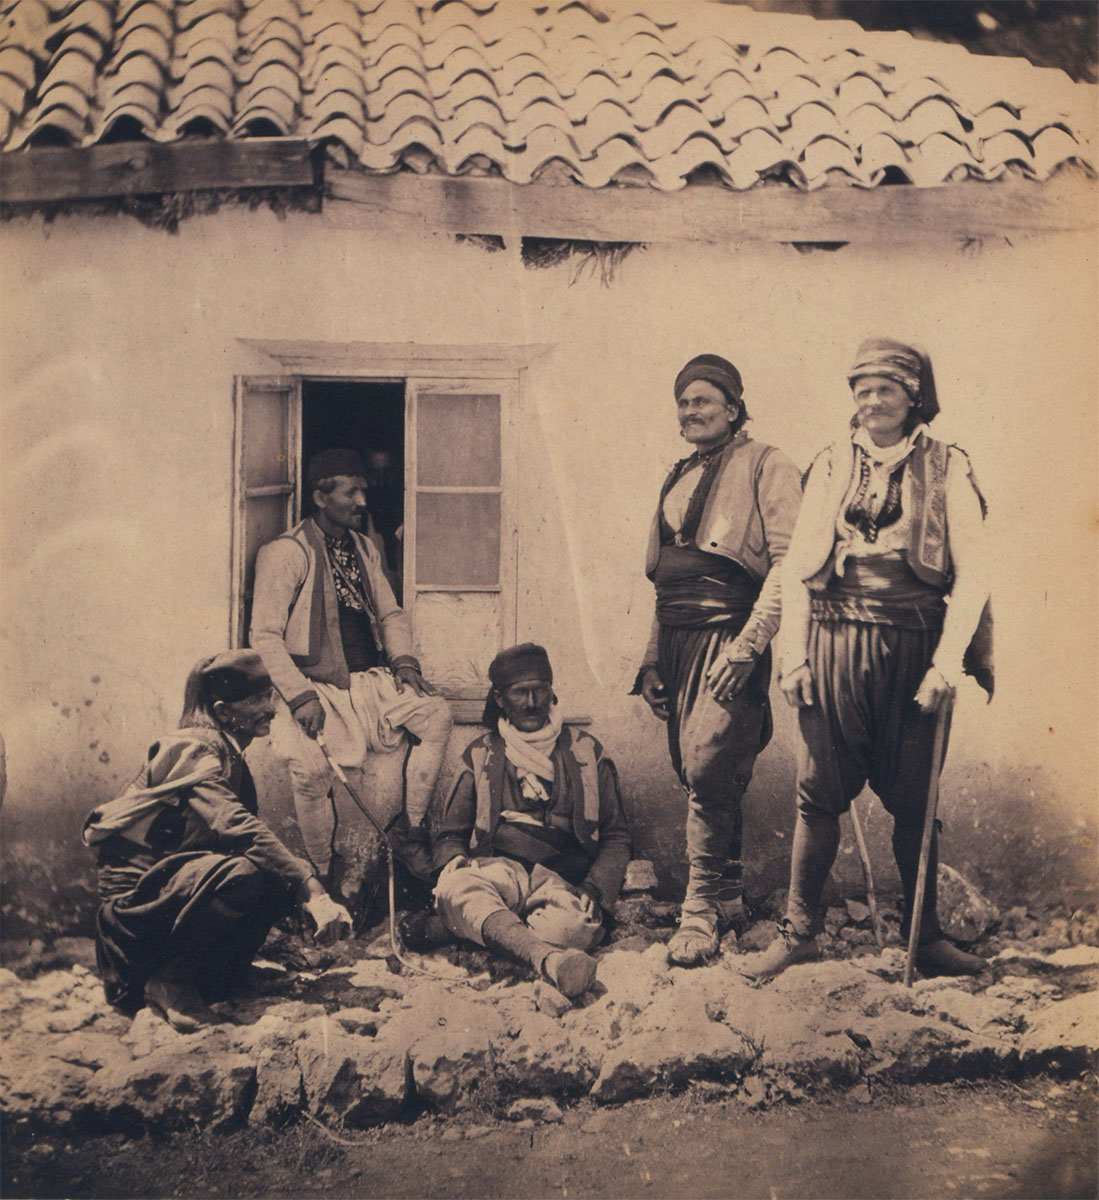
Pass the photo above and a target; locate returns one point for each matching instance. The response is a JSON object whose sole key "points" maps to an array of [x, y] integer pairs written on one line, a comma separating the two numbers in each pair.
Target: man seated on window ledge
{"points": [[339, 650], [532, 844]]}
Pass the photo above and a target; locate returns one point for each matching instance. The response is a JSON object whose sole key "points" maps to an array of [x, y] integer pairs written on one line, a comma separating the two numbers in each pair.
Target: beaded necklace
{"points": [[858, 514]]}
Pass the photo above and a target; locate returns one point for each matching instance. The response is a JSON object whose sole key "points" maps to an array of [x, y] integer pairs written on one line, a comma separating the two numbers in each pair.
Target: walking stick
{"points": [[394, 939], [868, 875], [941, 718]]}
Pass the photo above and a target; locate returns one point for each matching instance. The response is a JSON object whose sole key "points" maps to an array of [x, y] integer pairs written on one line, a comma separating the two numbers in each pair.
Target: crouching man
{"points": [[532, 843]]}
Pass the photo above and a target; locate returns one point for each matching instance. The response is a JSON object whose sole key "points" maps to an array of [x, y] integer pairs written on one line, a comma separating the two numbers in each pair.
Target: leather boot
{"points": [[788, 948], [570, 971], [941, 957]]}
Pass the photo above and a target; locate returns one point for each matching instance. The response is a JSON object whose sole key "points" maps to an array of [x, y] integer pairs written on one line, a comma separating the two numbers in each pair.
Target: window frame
{"points": [[456, 370]]}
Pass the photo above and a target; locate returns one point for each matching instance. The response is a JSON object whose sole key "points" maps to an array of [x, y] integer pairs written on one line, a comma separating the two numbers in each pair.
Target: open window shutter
{"points": [[459, 531], [265, 480]]}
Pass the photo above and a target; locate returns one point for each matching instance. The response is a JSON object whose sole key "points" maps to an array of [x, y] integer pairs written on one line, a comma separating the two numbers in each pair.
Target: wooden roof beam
{"points": [[48, 174], [902, 213]]}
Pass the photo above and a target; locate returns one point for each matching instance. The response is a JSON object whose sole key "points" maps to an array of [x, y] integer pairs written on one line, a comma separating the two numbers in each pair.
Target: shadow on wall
{"points": [[1000, 830]]}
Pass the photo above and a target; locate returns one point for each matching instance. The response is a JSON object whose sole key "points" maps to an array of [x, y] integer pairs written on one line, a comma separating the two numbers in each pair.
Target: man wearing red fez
{"points": [[339, 650], [531, 845]]}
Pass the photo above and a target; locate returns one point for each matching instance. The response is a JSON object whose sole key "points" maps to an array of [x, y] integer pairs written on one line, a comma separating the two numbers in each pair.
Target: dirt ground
{"points": [[1032, 1140]]}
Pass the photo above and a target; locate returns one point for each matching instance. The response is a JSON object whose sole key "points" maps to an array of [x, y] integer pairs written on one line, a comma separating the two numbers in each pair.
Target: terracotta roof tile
{"points": [[640, 92]]}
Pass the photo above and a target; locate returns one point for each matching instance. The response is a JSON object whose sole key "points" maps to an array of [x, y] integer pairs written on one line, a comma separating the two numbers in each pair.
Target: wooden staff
{"points": [[941, 718], [868, 875]]}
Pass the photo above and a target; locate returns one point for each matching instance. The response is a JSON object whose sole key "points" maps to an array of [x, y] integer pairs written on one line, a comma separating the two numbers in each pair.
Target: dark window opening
{"points": [[368, 418]]}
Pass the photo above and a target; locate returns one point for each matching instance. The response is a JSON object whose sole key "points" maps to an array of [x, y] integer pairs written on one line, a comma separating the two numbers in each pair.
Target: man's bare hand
{"points": [[797, 687], [310, 716], [654, 693], [934, 692], [728, 677], [414, 680]]}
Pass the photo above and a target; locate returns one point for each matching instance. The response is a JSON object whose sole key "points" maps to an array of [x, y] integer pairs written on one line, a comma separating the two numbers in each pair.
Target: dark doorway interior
{"points": [[369, 418]]}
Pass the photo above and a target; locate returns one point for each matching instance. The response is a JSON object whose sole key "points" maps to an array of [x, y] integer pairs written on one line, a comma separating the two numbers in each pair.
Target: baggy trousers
{"points": [[202, 913], [713, 744], [368, 717], [863, 727], [467, 896]]}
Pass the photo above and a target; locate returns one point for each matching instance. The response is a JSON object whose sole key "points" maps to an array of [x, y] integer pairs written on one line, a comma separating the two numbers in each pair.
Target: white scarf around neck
{"points": [[529, 754]]}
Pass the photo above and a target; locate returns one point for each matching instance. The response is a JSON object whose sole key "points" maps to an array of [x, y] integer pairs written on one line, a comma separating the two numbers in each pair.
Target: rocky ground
{"points": [[352, 1039]]}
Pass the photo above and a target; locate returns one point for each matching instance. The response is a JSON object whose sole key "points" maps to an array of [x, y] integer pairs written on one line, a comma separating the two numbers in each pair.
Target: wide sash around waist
{"points": [[880, 589]]}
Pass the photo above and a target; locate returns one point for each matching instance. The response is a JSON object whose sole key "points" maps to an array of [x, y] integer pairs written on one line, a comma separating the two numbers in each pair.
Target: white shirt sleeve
{"points": [[969, 553]]}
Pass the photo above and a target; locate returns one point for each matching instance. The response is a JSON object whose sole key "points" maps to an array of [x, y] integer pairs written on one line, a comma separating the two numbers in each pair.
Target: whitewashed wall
{"points": [[120, 345]]}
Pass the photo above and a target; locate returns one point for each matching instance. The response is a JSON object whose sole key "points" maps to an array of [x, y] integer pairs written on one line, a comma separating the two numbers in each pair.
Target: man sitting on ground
{"points": [[532, 844]]}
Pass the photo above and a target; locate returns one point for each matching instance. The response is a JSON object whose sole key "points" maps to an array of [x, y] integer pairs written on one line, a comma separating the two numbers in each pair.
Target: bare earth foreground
{"points": [[343, 1073]]}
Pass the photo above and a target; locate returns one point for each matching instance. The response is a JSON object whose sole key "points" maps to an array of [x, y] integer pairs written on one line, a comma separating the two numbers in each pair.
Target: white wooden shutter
{"points": [[266, 496], [459, 548]]}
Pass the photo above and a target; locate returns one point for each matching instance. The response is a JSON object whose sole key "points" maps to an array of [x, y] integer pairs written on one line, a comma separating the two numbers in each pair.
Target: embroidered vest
{"points": [[731, 524], [579, 756]]}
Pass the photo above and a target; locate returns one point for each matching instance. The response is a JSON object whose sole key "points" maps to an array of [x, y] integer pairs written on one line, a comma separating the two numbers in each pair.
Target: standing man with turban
{"points": [[339, 649], [721, 529], [532, 844], [885, 594]]}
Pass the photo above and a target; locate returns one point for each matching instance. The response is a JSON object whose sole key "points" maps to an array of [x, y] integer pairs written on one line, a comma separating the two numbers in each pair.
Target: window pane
{"points": [[458, 441], [458, 539], [265, 438]]}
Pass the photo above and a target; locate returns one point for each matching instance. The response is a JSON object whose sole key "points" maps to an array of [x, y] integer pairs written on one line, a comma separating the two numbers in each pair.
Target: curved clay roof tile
{"points": [[671, 173], [678, 127], [321, 58], [141, 42], [18, 65], [616, 157], [855, 91], [266, 12], [443, 78], [744, 116], [936, 158], [270, 74], [393, 85], [726, 89], [338, 128], [11, 95], [797, 91], [778, 65], [478, 111], [867, 121], [91, 15], [812, 121], [206, 100], [336, 78], [823, 157], [271, 103], [519, 68], [376, 48], [458, 37], [1003, 148], [147, 14], [930, 117], [881, 151], [212, 37], [542, 112], [57, 115], [661, 94], [324, 16], [187, 13], [272, 50], [137, 68], [73, 68], [318, 109], [1053, 147]]}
